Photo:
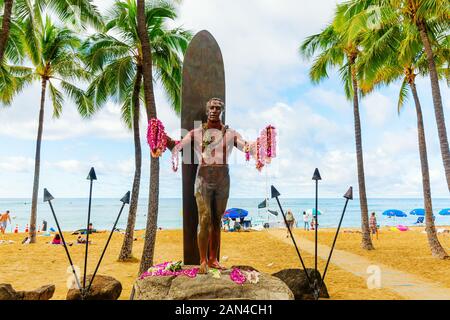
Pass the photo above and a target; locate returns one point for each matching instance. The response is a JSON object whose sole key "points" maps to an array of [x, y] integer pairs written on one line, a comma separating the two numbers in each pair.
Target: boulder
{"points": [[103, 288], [296, 280], [42, 293], [7, 292], [205, 286]]}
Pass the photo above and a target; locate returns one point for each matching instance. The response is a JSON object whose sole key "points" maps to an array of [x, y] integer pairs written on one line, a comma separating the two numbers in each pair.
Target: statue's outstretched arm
{"points": [[243, 145]]}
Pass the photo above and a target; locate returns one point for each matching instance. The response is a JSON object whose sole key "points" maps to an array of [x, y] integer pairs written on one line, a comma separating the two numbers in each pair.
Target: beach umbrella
{"points": [[394, 213], [445, 212], [417, 212], [312, 212], [235, 213]]}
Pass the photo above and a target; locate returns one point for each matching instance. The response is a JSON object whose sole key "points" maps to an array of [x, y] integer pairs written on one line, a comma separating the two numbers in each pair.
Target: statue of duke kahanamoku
{"points": [[213, 143]]}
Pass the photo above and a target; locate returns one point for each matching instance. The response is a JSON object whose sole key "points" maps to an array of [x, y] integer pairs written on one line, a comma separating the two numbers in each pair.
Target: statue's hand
{"points": [[171, 143]]}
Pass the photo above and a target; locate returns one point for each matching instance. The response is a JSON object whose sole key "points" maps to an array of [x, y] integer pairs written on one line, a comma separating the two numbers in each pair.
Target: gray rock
{"points": [[103, 288], [204, 286], [296, 280]]}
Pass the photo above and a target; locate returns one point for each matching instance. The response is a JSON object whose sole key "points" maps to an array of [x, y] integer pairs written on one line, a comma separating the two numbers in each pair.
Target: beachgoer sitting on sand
{"points": [[57, 240], [81, 240]]}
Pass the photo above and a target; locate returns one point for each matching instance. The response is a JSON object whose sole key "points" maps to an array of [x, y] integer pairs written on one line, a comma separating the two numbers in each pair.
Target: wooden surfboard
{"points": [[203, 79]]}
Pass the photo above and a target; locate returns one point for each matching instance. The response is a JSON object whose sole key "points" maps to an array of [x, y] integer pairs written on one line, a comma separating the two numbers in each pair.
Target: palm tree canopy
{"points": [[392, 49], [58, 62], [115, 54]]}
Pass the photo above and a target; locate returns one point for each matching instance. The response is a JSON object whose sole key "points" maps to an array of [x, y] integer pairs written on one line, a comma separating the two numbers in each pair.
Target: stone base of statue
{"points": [[205, 286]]}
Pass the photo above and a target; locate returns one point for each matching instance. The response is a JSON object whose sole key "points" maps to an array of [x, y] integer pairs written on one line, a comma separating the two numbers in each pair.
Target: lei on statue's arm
{"points": [[263, 149], [156, 137], [159, 141]]}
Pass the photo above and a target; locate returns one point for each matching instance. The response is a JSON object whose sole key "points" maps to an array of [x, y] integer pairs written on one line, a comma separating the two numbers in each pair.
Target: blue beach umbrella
{"points": [[417, 212], [235, 213], [445, 212], [394, 213]]}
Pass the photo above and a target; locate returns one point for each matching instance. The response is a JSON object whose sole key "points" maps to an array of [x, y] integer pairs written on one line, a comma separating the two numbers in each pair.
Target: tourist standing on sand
{"points": [[290, 221], [305, 221], [373, 225], [4, 218]]}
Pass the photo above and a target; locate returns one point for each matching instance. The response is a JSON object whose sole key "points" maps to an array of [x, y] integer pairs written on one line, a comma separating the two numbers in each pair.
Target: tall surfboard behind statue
{"points": [[203, 78]]}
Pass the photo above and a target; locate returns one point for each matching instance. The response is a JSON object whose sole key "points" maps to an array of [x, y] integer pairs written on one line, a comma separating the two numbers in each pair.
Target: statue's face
{"points": [[214, 110]]}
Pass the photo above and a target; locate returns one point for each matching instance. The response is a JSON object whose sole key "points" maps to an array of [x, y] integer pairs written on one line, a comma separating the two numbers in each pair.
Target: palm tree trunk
{"points": [[127, 246], [436, 248], [152, 214], [366, 242], [5, 26], [437, 101], [37, 165]]}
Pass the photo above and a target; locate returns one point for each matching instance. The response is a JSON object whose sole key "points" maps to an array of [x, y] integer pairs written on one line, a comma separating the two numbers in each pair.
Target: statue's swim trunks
{"points": [[213, 181]]}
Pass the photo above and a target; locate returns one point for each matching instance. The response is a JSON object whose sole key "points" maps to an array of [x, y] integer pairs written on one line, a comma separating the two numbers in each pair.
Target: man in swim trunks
{"points": [[213, 143], [4, 218]]}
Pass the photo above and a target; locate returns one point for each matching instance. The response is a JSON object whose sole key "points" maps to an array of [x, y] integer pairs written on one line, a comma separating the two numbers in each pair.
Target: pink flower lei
{"points": [[163, 269], [156, 137], [237, 276], [268, 143], [259, 157]]}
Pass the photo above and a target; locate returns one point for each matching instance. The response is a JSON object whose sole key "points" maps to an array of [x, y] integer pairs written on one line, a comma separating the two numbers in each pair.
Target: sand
{"points": [[27, 267]]}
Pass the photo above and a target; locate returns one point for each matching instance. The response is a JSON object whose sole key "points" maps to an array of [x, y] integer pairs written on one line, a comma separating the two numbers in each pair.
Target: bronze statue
{"points": [[213, 143]]}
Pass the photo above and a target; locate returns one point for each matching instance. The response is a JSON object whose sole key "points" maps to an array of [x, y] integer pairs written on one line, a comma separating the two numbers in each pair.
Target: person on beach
{"points": [[313, 223], [305, 221], [4, 218], [290, 221], [373, 225], [57, 239], [82, 240], [226, 224]]}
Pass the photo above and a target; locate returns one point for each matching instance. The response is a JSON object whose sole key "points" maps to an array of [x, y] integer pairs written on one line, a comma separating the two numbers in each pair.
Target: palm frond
{"points": [[57, 100]]}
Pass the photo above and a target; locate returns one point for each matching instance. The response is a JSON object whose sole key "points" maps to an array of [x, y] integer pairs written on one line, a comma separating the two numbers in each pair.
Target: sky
{"points": [[266, 83]]}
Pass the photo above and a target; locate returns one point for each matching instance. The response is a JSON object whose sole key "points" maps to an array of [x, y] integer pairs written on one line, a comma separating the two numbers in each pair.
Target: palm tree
{"points": [[28, 14], [30, 11], [4, 33], [56, 62], [396, 53], [431, 20], [118, 65], [335, 47], [149, 97]]}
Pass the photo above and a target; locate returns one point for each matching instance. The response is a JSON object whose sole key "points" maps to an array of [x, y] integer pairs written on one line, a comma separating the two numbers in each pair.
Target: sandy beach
{"points": [[27, 267]]}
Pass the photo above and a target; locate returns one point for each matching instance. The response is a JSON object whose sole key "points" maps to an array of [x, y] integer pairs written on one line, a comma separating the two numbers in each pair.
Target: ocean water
{"points": [[72, 213]]}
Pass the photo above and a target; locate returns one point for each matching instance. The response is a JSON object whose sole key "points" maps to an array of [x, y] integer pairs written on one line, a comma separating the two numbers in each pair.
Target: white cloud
{"points": [[379, 108], [16, 164]]}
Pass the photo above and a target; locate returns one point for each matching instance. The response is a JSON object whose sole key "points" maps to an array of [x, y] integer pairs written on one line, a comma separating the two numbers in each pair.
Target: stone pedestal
{"points": [[205, 286]]}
